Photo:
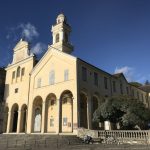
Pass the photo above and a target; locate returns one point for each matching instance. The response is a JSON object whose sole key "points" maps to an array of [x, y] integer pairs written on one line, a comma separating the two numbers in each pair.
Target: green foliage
{"points": [[136, 84], [128, 112], [136, 114]]}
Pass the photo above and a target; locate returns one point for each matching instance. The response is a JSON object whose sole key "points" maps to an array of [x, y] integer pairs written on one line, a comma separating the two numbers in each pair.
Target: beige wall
{"points": [[57, 61], [21, 83], [90, 89]]}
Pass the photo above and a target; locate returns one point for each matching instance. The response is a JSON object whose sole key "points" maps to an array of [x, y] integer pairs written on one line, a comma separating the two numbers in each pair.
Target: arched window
{"points": [[23, 71], [18, 72], [58, 21], [57, 37], [66, 75], [39, 81], [52, 102], [13, 75]]}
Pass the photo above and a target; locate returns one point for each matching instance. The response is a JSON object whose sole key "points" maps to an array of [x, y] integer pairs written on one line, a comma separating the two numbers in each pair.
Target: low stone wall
{"points": [[82, 132], [124, 136]]}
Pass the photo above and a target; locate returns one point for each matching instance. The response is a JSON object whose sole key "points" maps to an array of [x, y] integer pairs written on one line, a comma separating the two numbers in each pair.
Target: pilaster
{"points": [[43, 118], [9, 121], [19, 121], [89, 112], [58, 118]]}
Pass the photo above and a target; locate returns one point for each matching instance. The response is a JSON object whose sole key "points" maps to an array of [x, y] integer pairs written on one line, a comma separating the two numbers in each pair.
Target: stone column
{"points": [[29, 122], [89, 112], [54, 39], [19, 121], [9, 122], [58, 120], [43, 118]]}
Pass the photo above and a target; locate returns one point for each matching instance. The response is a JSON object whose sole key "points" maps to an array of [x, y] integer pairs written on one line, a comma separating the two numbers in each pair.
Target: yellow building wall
{"points": [[21, 83], [57, 61]]}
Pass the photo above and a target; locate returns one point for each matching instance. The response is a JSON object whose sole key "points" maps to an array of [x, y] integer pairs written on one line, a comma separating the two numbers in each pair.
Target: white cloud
{"points": [[29, 31], [131, 75], [127, 71], [142, 79], [38, 48]]}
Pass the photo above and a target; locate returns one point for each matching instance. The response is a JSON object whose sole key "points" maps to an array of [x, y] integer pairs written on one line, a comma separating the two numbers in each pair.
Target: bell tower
{"points": [[60, 32]]}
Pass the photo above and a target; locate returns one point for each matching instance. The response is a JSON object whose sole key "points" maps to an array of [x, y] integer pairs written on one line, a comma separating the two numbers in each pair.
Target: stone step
{"points": [[23, 141]]}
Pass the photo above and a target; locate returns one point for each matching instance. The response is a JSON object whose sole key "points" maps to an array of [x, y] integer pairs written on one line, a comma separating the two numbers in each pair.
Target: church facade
{"points": [[59, 93]]}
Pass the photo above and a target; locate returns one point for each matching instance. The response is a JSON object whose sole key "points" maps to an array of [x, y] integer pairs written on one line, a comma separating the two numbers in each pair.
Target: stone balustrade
{"points": [[124, 135]]}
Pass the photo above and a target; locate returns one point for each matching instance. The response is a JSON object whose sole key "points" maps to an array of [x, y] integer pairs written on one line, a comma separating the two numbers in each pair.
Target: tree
{"points": [[127, 111], [136, 84], [112, 109], [147, 82], [136, 114]]}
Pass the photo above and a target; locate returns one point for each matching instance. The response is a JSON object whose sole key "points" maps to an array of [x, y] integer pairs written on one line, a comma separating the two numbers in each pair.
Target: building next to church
{"points": [[2, 87], [59, 93]]}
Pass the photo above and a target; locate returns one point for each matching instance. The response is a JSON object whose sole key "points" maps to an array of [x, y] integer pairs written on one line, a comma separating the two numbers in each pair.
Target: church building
{"points": [[59, 93]]}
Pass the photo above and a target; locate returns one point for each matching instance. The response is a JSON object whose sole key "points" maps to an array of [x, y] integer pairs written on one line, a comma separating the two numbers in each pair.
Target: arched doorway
{"points": [[94, 107], [83, 111], [37, 114], [51, 113], [14, 118], [23, 118], [6, 110], [66, 111]]}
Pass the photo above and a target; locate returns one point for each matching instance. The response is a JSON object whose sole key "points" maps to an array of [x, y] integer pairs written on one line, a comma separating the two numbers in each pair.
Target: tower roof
{"points": [[61, 18], [22, 43]]}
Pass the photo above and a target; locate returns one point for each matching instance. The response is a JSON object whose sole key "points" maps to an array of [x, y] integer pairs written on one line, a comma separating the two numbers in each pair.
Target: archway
{"points": [[6, 110], [14, 118], [51, 113], [37, 114], [66, 111], [23, 118], [94, 107], [83, 111]]}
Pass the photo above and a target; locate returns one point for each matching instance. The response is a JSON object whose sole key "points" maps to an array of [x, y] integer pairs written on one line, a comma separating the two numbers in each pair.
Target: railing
{"points": [[123, 135], [126, 134]]}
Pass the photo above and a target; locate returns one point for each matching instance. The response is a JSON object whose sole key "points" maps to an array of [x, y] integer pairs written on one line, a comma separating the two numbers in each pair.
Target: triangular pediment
{"points": [[52, 55]]}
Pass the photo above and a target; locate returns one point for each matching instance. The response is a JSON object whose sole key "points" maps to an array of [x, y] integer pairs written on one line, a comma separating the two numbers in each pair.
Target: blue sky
{"points": [[113, 35]]}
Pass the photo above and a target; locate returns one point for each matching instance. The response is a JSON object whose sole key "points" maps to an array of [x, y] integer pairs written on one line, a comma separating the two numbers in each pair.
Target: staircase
{"points": [[21, 142]]}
